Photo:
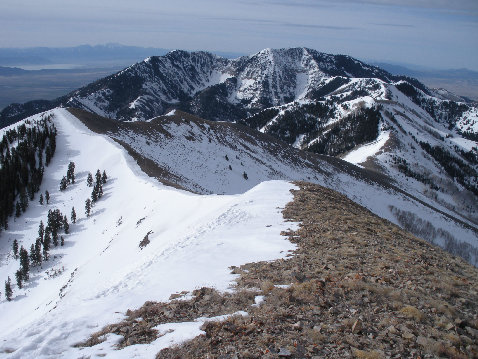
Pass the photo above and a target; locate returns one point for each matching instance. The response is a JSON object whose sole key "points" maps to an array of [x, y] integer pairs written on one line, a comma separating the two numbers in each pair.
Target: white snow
{"points": [[258, 300], [197, 158], [469, 121], [302, 85], [193, 241], [361, 154], [467, 145], [133, 104], [169, 334]]}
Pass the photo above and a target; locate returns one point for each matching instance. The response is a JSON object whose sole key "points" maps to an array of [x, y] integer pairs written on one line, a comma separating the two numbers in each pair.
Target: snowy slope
{"points": [[196, 154], [101, 271], [327, 104], [400, 152]]}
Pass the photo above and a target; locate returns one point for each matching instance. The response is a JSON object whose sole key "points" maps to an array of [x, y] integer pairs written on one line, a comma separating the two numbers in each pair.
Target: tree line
{"points": [[24, 151], [50, 235]]}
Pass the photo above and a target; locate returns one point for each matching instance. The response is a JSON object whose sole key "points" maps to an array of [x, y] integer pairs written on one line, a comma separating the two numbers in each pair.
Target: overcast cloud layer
{"points": [[438, 33]]}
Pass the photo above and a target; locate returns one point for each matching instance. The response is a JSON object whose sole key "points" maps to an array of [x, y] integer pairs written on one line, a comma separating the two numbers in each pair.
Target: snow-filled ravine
{"points": [[101, 271]]}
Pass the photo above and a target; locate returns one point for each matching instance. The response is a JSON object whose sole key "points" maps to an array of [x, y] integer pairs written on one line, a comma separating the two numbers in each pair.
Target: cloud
{"points": [[392, 25], [281, 24], [469, 7], [324, 27]]}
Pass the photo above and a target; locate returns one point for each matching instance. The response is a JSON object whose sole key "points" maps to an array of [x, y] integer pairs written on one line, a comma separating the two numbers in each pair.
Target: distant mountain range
{"points": [[111, 54], [455, 74], [84, 54], [461, 81]]}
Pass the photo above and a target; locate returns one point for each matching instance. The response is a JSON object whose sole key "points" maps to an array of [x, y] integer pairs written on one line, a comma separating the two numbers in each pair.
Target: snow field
{"points": [[103, 271]]}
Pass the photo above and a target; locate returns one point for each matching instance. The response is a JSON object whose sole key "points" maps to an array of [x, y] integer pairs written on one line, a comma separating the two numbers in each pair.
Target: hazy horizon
{"points": [[67, 65], [437, 34]]}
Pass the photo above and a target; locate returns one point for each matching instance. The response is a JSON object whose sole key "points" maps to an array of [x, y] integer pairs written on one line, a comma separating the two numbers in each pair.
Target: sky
{"points": [[431, 33]]}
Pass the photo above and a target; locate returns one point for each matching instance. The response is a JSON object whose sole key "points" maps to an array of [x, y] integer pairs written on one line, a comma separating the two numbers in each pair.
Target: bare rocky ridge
{"points": [[357, 286]]}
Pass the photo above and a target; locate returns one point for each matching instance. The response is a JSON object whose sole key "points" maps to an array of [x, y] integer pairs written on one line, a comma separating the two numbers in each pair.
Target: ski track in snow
{"points": [[194, 239]]}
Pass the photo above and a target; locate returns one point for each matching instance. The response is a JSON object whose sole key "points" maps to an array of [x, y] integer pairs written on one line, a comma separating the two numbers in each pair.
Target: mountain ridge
{"points": [[327, 104], [158, 242], [203, 163]]}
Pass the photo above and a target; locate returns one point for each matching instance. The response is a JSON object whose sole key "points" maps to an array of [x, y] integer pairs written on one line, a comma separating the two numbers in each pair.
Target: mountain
{"points": [[144, 243], [211, 157], [424, 139], [12, 71]]}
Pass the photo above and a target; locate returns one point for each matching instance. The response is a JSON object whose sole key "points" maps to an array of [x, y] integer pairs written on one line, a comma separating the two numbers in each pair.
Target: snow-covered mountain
{"points": [[327, 104], [223, 158], [144, 240]]}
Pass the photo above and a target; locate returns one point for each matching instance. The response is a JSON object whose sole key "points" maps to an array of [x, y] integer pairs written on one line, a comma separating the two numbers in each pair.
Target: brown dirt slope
{"points": [[357, 286]]}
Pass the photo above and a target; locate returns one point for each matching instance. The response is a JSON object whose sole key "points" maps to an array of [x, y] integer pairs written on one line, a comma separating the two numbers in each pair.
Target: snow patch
{"points": [[361, 154]]}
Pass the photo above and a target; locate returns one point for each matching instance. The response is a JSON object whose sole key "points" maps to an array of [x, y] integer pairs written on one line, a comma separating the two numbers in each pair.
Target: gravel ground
{"points": [[356, 287]]}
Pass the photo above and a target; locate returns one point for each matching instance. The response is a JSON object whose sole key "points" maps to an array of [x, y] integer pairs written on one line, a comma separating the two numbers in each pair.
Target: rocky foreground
{"points": [[357, 286]]}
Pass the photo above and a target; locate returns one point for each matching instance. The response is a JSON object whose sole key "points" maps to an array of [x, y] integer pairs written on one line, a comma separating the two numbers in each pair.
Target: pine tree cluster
{"points": [[69, 178], [49, 234], [97, 192], [21, 165], [39, 251]]}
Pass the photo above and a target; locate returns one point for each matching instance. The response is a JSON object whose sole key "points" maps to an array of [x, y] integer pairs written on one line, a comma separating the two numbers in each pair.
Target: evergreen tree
{"points": [[47, 197], [54, 237], [41, 198], [46, 243], [245, 175], [15, 248], [98, 176], [63, 183], [100, 190], [31, 190], [33, 258], [66, 226], [89, 180], [62, 241], [18, 210], [23, 199], [88, 207], [41, 231], [8, 289], [104, 177], [73, 215], [70, 174], [38, 251], [94, 194], [18, 277], [24, 263]]}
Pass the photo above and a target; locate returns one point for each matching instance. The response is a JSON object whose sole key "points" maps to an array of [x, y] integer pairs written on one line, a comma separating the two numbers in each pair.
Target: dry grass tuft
{"points": [[363, 354], [412, 313], [267, 287]]}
